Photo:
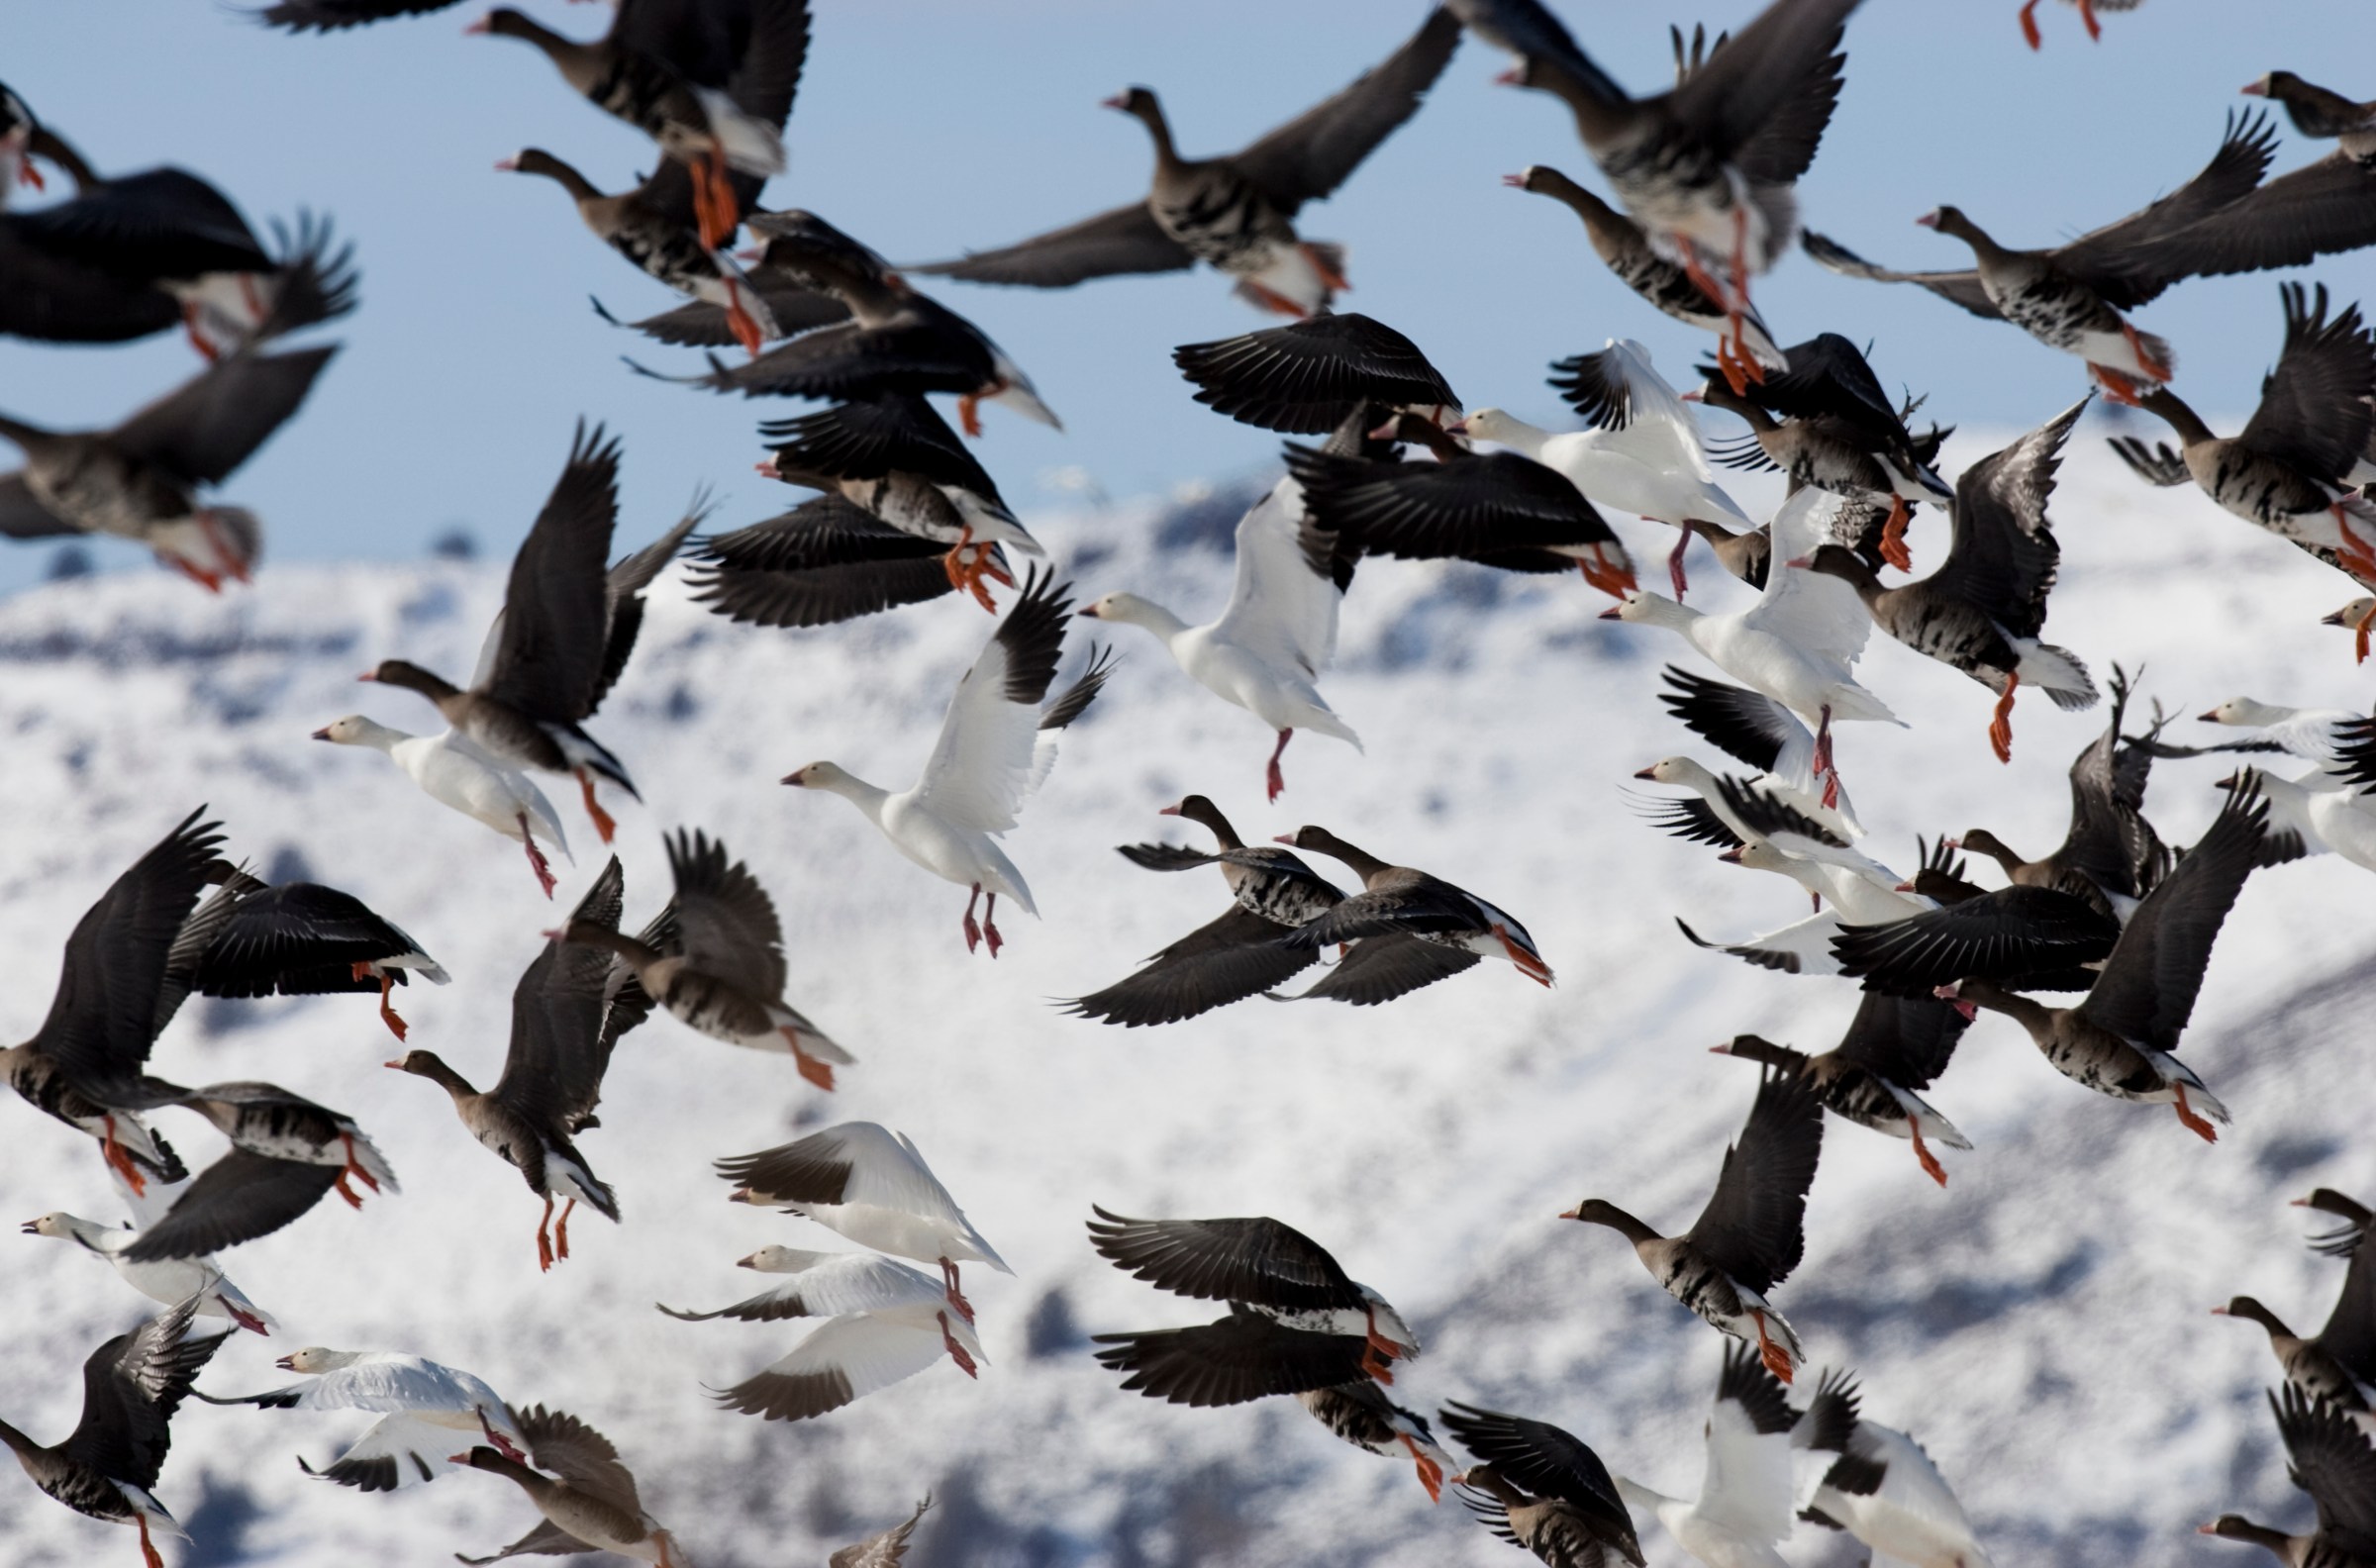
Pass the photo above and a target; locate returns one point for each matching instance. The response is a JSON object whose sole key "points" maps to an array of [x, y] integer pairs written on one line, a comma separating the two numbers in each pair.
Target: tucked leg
{"points": [[956, 1352], [535, 857], [119, 1159], [147, 1547], [220, 543], [1777, 1360], [969, 415], [1272, 300], [2087, 14], [1532, 967], [603, 821], [739, 319], [1674, 565], [819, 1073], [2029, 24], [1430, 1474], [956, 1297], [2194, 1123], [1921, 1151], [1893, 535], [2359, 634], [1273, 777]]}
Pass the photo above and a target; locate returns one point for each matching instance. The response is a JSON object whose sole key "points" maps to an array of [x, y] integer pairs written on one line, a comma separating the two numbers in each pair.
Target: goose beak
{"points": [[2228, 782], [1731, 856], [1928, 220], [1168, 810], [1087, 613], [2254, 90], [2298, 1202], [2212, 716], [558, 933], [1576, 1213], [1612, 613], [1904, 887], [510, 165], [797, 779], [1386, 430], [286, 1363], [1694, 395], [1118, 101], [1954, 845], [2339, 617], [1650, 774], [2219, 1312], [741, 1194], [750, 1262], [1719, 1050], [31, 1228], [399, 1066], [369, 675], [1458, 426], [2206, 1529], [321, 734], [1510, 78], [1801, 562], [767, 467], [484, 25], [1286, 838], [1520, 180]]}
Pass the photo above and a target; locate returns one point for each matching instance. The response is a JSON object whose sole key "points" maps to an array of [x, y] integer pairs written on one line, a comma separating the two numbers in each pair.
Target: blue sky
{"points": [[929, 126]]}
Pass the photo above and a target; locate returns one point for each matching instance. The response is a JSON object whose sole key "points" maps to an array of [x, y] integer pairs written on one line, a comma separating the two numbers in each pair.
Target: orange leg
{"points": [[543, 1245], [498, 1441], [739, 319], [969, 415], [956, 1297], [147, 1547], [2117, 388], [561, 1231], [204, 579], [1704, 281], [819, 1073], [2359, 634], [1737, 309], [1272, 778], [1736, 366], [966, 567], [1615, 581], [2087, 14], [387, 1014], [956, 1352], [990, 924], [1529, 965], [1377, 1365], [973, 932], [2136, 342], [604, 824], [2029, 24], [1823, 759], [2194, 1123], [714, 199], [355, 1166], [535, 857], [245, 1320], [222, 545], [2000, 726], [1275, 302], [1674, 566], [1893, 535], [1777, 1360], [1921, 1151], [2360, 559], [354, 1199], [1328, 274], [189, 324], [1430, 1474], [119, 1159], [30, 174]]}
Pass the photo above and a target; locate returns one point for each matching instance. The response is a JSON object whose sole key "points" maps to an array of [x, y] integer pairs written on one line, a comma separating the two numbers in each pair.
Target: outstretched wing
{"points": [[981, 767]]}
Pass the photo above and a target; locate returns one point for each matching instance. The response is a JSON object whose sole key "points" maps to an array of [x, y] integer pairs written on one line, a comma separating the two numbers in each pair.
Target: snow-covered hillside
{"points": [[2042, 1323]]}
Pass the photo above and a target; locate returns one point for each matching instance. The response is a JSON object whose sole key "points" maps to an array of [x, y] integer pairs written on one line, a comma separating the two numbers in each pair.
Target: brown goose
{"points": [[1399, 901], [297, 938], [130, 1387], [1232, 957], [1360, 1413], [591, 1507], [711, 82], [719, 964], [894, 456], [2284, 470], [654, 228], [140, 482], [824, 561], [1754, 1231], [2308, 1363], [1982, 610], [2322, 208], [2119, 1040], [1708, 168], [2334, 1362], [2328, 1455], [138, 254], [1894, 1046], [885, 1548], [287, 1154], [1307, 378], [1625, 249], [564, 636], [896, 339], [1540, 1487], [2070, 297], [1236, 213], [84, 1064], [568, 1010], [2110, 855]]}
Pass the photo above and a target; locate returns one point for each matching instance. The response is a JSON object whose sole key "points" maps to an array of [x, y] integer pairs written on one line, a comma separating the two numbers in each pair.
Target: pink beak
{"points": [[1802, 563], [1118, 101], [1612, 613], [510, 165], [369, 675], [1928, 220], [1456, 428], [2254, 90], [1694, 395], [1731, 856], [1511, 78], [1168, 810], [482, 24], [1285, 839], [1519, 180], [1650, 774]]}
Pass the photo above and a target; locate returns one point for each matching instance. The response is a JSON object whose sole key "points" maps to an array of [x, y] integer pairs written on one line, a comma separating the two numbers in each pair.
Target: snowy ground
{"points": [[2042, 1323]]}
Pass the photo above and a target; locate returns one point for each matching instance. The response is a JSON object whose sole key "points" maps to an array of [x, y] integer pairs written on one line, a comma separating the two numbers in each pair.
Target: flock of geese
{"points": [[1702, 179]]}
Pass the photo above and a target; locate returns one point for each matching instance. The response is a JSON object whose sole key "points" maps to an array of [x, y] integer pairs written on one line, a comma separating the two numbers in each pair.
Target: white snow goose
{"points": [[1265, 650], [1625, 249], [1235, 213], [2121, 1041], [996, 743], [254, 938], [421, 1405], [2070, 297], [655, 228], [1733, 812], [894, 456], [2315, 814], [896, 339], [1402, 900], [83, 1066], [2285, 471], [563, 638], [1643, 456], [884, 1324], [2315, 734], [1707, 168], [139, 480], [286, 1154], [453, 771], [1797, 644], [1539, 1487], [170, 1281], [1982, 610], [1237, 954], [131, 1386], [565, 1021], [2328, 1455], [592, 1507], [1763, 733], [2024, 935], [1752, 1232], [714, 958], [1859, 889], [713, 98], [1744, 1506], [862, 1181], [1305, 378], [1501, 509], [1895, 1046], [1882, 1488]]}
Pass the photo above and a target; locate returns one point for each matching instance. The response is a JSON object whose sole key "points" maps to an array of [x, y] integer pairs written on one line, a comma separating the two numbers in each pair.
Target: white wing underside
{"points": [[1280, 610], [841, 1283], [1661, 432], [1812, 611], [1746, 1488], [870, 1352], [982, 766]]}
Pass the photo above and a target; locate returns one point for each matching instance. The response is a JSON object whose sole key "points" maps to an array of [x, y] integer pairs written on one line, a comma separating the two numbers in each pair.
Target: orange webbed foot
{"points": [[1430, 1474], [2194, 1123], [1999, 726], [604, 823], [1921, 1151], [2029, 26], [1893, 535]]}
